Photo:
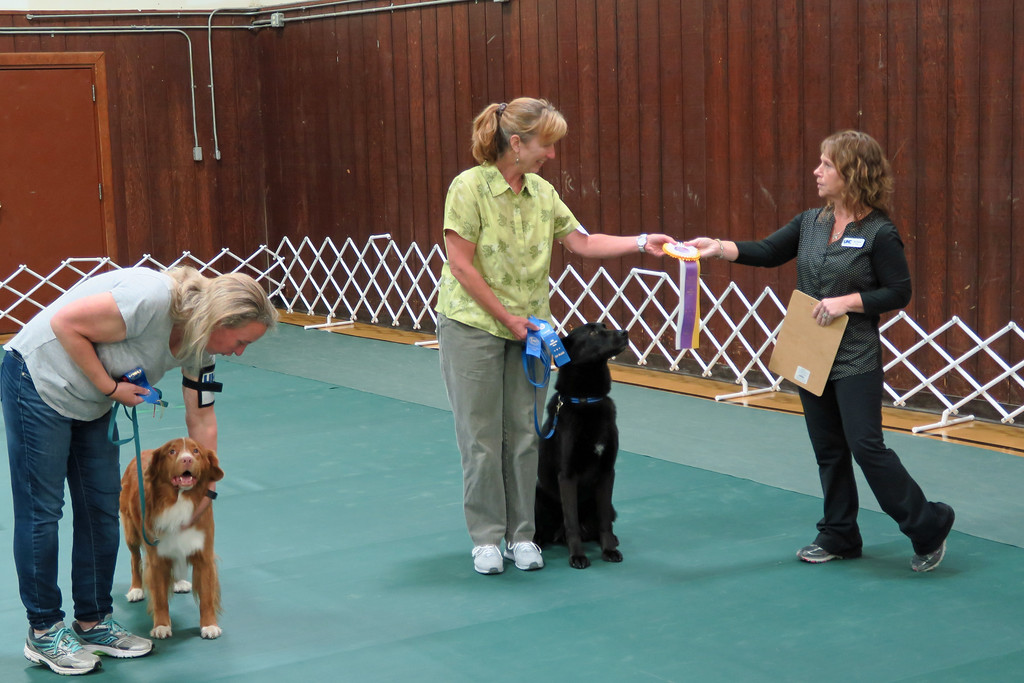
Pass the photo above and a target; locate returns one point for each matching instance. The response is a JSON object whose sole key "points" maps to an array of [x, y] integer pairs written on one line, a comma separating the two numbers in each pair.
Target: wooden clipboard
{"points": [[804, 351]]}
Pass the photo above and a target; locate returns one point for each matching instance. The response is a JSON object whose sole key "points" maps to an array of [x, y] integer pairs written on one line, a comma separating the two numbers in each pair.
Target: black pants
{"points": [[845, 424]]}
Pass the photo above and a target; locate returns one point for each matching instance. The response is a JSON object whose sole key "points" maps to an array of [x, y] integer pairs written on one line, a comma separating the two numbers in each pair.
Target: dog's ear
{"points": [[216, 473], [577, 339], [566, 341], [156, 458], [569, 340]]}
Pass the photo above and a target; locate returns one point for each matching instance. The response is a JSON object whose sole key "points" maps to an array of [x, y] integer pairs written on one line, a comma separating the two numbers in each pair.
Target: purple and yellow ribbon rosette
{"points": [[688, 321]]}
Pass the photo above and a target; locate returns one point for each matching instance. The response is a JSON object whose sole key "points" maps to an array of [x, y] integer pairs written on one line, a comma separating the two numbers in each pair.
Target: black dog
{"points": [[577, 463]]}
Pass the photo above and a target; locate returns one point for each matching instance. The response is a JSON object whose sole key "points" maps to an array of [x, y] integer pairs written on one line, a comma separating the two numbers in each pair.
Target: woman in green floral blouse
{"points": [[501, 221]]}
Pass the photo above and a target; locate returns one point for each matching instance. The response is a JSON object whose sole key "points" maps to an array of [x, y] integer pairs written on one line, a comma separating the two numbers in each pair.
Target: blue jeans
{"points": [[45, 449]]}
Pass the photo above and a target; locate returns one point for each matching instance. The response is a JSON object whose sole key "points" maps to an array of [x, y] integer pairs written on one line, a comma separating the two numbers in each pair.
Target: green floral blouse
{"points": [[513, 234]]}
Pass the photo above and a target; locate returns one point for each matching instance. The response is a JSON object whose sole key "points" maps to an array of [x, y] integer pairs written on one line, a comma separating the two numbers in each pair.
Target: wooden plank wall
{"points": [[166, 203], [686, 116]]}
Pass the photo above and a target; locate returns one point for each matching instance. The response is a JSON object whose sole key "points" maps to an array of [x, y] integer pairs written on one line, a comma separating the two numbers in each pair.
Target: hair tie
{"points": [[501, 109]]}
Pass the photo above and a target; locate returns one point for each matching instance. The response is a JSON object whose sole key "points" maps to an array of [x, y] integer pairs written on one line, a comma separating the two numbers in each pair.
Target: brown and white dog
{"points": [[176, 476]]}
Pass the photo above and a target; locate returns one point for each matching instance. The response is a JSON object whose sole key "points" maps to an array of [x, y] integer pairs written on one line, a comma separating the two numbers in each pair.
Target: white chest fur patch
{"points": [[598, 449], [175, 543]]}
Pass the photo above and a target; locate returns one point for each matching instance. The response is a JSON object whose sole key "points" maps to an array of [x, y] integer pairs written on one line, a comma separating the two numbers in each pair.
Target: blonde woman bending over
{"points": [[60, 378]]}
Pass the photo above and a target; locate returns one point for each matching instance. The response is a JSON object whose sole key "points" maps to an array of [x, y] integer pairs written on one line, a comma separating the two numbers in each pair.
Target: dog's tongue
{"points": [[184, 481]]}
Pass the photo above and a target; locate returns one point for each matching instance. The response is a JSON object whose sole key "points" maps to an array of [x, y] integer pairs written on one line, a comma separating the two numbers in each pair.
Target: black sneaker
{"points": [[815, 554], [60, 650]]}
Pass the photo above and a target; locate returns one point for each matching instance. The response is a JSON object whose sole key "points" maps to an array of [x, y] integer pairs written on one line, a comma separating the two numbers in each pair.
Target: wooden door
{"points": [[54, 173]]}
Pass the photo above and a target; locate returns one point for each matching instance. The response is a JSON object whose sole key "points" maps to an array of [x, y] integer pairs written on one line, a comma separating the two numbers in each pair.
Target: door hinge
{"points": [[101, 192], [94, 94]]}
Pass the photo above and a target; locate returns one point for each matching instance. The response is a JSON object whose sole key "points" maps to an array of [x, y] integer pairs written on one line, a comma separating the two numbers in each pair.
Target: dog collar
{"points": [[561, 400]]}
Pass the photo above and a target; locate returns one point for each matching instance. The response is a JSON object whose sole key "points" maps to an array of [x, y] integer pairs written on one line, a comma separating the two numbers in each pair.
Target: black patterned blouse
{"points": [[868, 259]]}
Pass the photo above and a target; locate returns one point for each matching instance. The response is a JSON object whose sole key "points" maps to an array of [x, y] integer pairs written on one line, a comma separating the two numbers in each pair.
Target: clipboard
{"points": [[804, 351]]}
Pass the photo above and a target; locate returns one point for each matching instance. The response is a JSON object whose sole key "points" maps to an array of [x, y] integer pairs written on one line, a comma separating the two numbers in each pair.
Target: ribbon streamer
{"points": [[545, 337], [688, 321], [544, 345]]}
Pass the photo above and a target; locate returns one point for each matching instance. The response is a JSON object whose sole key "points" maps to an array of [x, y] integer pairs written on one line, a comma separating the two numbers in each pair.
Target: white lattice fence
{"points": [[644, 304], [1005, 373], [383, 283], [31, 291], [376, 280]]}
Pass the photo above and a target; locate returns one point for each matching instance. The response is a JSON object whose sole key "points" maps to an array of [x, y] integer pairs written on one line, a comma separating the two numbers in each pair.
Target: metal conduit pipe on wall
{"points": [[277, 20], [276, 9], [354, 12], [197, 151]]}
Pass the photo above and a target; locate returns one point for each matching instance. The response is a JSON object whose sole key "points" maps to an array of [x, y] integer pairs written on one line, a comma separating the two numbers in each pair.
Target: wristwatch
{"points": [[641, 241]]}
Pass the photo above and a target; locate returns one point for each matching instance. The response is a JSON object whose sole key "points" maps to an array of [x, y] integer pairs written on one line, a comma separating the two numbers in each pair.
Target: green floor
{"points": [[344, 555]]}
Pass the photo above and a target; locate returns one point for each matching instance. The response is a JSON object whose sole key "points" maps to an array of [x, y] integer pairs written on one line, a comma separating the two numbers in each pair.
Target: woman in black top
{"points": [[850, 257]]}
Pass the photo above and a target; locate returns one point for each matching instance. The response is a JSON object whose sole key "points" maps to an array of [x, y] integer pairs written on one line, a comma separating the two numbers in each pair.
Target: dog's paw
{"points": [[211, 632], [579, 561], [612, 555], [161, 632], [182, 586], [135, 595]]}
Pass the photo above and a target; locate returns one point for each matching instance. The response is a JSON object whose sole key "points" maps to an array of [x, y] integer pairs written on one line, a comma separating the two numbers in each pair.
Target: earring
{"points": [[517, 160]]}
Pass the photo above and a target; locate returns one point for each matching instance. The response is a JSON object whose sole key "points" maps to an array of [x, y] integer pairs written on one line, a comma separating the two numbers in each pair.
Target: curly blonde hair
{"points": [[202, 304], [526, 117], [861, 163]]}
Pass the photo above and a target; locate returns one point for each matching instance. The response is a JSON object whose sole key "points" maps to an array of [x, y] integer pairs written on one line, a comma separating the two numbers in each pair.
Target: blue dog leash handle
{"points": [[544, 345], [138, 378], [545, 335]]}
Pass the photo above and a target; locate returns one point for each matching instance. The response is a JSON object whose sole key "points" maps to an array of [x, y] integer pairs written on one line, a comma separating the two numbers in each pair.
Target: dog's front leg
{"points": [[568, 487], [605, 517], [158, 582], [135, 593], [206, 584]]}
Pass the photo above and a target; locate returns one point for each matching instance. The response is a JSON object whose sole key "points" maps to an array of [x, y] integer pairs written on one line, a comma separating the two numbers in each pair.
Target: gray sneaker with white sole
{"points": [[60, 650]]}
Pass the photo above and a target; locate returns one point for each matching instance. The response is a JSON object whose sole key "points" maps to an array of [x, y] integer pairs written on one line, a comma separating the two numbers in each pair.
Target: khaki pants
{"points": [[493, 404]]}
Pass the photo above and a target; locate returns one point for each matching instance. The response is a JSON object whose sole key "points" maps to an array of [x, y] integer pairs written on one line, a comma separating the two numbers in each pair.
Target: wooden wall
{"points": [[686, 116], [165, 202]]}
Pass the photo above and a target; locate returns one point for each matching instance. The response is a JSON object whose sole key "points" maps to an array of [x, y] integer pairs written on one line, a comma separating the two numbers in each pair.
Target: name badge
{"points": [[855, 242]]}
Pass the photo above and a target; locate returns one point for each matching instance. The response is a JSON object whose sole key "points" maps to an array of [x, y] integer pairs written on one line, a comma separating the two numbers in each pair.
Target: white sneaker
{"points": [[487, 559], [526, 555]]}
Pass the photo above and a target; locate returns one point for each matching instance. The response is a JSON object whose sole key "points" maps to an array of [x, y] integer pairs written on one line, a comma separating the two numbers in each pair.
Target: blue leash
{"points": [[138, 459], [544, 345], [558, 408], [137, 377], [528, 368]]}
